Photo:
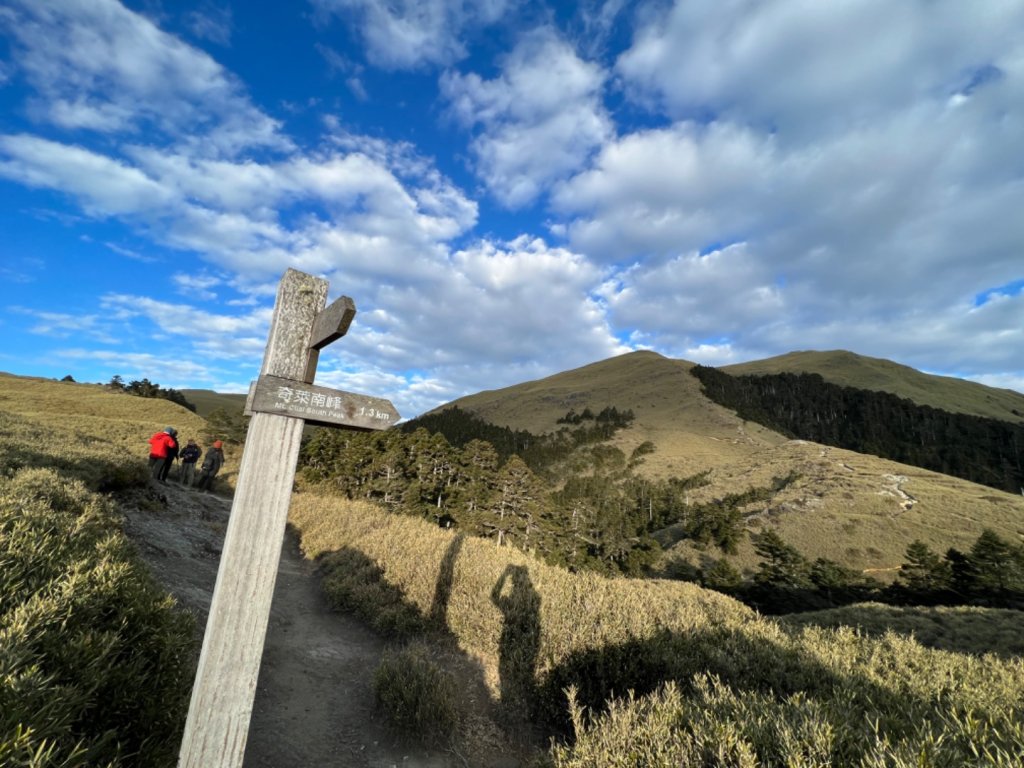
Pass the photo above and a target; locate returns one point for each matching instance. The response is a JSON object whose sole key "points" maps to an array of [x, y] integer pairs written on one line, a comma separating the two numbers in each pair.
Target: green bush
{"points": [[417, 694], [95, 660]]}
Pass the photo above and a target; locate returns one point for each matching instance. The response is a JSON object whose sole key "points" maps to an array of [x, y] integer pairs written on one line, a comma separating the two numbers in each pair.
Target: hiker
{"points": [[172, 454], [211, 466], [189, 456], [159, 447]]}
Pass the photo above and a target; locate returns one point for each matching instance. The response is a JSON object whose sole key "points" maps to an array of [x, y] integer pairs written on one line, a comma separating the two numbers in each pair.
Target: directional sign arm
{"points": [[329, 325], [332, 323], [320, 405]]}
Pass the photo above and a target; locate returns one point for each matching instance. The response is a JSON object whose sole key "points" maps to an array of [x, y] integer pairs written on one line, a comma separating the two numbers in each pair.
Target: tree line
{"points": [[578, 502], [540, 452], [147, 388], [805, 406], [990, 573]]}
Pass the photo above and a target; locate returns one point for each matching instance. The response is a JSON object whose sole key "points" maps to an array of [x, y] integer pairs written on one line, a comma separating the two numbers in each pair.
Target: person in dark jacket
{"points": [[159, 447], [189, 456], [211, 466]]}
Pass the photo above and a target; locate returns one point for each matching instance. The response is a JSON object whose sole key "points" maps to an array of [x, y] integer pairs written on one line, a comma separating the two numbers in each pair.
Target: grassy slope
{"points": [[86, 416], [89, 417], [846, 506], [90, 642], [576, 613], [859, 510], [691, 433], [851, 370], [962, 629]]}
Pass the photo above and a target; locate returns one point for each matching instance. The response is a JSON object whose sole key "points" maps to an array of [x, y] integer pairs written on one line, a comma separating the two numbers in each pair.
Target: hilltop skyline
{"points": [[509, 190]]}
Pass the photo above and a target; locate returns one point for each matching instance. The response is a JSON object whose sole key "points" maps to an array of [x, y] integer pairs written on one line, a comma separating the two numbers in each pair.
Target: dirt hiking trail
{"points": [[314, 701]]}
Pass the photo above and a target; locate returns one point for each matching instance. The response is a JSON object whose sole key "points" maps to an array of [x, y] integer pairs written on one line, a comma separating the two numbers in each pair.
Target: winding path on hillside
{"points": [[314, 704]]}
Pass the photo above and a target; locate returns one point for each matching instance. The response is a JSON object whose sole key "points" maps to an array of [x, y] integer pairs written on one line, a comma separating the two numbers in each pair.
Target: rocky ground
{"points": [[314, 704]]}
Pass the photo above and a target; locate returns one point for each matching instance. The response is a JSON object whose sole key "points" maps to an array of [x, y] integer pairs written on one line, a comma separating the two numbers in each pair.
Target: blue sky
{"points": [[508, 190]]}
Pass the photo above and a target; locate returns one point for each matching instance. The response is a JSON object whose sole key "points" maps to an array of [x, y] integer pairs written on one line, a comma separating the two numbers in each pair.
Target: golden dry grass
{"points": [[87, 423], [859, 510], [964, 629], [881, 697], [692, 434], [577, 611], [94, 657]]}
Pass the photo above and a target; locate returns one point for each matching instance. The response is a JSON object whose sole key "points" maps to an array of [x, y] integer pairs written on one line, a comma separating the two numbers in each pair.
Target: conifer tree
{"points": [[995, 567], [722, 576], [924, 572], [783, 565]]}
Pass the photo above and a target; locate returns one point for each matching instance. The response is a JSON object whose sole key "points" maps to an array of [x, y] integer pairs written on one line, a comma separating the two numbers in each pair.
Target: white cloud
{"points": [[670, 190], [205, 333], [406, 34], [826, 176], [64, 325], [99, 66], [196, 286], [869, 234], [694, 297], [128, 253], [211, 22], [498, 314], [805, 68], [540, 119], [184, 374], [387, 212], [103, 185]]}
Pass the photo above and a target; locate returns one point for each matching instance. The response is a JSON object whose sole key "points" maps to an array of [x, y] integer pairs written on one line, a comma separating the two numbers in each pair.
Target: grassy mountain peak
{"points": [[857, 509], [692, 433]]}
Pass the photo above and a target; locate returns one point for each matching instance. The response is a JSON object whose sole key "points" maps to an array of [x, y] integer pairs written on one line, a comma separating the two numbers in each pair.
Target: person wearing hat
{"points": [[211, 466], [161, 445], [189, 456]]}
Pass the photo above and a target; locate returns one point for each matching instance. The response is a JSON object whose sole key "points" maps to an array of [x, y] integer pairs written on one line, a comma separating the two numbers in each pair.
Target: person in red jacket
{"points": [[161, 446]]}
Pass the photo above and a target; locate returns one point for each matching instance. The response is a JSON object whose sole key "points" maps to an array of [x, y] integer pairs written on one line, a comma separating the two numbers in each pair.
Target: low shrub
{"points": [[416, 694], [714, 724], [355, 583], [95, 660]]}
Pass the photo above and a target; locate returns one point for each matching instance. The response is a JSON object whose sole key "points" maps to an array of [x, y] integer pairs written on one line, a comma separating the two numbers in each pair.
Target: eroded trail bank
{"points": [[314, 704]]}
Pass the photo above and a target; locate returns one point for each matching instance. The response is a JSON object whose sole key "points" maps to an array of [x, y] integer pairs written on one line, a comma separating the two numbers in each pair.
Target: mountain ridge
{"points": [[857, 509], [849, 369]]}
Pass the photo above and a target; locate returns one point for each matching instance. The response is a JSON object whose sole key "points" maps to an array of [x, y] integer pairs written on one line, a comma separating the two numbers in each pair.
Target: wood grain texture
{"points": [[218, 720]]}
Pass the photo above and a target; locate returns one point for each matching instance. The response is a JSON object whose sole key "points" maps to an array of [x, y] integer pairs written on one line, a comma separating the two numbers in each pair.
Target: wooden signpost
{"points": [[282, 401]]}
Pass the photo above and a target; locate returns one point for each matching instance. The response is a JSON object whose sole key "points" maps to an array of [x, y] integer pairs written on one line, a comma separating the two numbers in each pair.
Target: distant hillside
{"points": [[206, 401], [859, 510], [851, 370]]}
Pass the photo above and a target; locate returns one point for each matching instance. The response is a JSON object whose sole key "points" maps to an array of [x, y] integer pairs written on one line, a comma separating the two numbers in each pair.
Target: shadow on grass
{"points": [[519, 646], [750, 658], [445, 580], [354, 583]]}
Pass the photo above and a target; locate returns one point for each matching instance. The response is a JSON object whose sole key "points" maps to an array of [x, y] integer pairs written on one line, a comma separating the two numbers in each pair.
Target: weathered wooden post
{"points": [[282, 401]]}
